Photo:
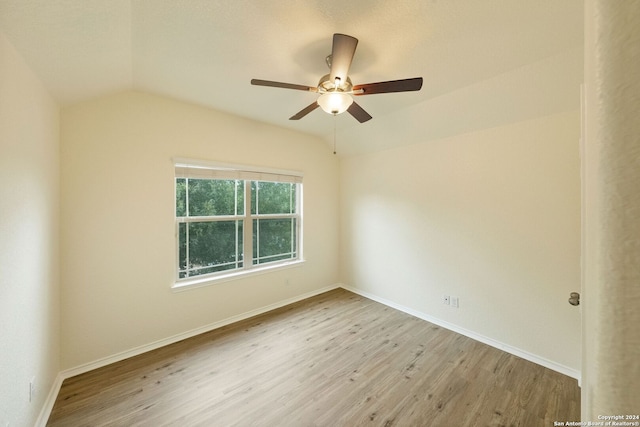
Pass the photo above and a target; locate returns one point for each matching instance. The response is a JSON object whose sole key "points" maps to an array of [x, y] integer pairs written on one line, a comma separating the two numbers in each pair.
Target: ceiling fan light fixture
{"points": [[335, 102], [335, 89]]}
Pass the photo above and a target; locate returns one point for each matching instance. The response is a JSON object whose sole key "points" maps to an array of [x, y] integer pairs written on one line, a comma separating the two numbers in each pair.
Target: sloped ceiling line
{"points": [[206, 52]]}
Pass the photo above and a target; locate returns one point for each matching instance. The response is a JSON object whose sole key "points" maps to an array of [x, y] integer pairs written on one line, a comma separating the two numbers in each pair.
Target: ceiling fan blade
{"points": [[404, 85], [344, 47], [358, 113], [300, 114], [269, 83]]}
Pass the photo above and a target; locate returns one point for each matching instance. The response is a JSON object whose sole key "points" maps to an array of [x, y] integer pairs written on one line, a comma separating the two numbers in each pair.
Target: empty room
{"points": [[305, 213]]}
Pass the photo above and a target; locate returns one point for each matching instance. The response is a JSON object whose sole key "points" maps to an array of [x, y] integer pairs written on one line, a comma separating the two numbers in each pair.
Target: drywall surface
{"points": [[118, 208], [29, 294], [491, 217], [612, 228], [546, 87]]}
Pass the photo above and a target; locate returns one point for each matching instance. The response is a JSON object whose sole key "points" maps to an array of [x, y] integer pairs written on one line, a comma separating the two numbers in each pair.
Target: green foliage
{"points": [[209, 197], [212, 245], [209, 246], [272, 197], [273, 239], [181, 197]]}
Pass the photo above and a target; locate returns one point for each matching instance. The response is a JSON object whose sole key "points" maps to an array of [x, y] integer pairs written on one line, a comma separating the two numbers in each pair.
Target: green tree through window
{"points": [[220, 221]]}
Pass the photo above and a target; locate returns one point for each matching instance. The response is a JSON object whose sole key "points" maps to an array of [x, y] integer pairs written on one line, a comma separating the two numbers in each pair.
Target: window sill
{"points": [[185, 285]]}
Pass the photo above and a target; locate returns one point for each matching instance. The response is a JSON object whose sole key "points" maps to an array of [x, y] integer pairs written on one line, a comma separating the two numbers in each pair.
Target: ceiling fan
{"points": [[335, 88]]}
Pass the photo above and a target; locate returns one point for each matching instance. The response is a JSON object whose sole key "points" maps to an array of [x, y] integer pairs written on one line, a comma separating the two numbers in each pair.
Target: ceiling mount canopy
{"points": [[336, 89]]}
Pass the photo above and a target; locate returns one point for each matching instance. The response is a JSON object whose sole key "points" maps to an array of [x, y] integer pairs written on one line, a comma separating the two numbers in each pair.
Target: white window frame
{"points": [[200, 169]]}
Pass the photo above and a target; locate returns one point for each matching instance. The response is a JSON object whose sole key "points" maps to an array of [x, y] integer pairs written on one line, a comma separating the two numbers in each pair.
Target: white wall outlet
{"points": [[32, 389], [454, 302], [445, 299]]}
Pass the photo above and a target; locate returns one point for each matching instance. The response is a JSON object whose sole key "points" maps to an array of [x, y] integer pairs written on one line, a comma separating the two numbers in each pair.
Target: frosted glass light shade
{"points": [[335, 102]]}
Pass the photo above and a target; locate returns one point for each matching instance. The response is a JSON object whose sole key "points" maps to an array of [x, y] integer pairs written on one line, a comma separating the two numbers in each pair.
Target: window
{"points": [[233, 220]]}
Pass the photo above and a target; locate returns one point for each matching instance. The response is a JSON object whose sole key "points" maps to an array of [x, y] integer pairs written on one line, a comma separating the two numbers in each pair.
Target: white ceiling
{"points": [[521, 58]]}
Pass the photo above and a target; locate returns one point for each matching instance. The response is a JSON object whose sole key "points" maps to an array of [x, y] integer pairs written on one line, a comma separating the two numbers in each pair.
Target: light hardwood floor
{"points": [[337, 359]]}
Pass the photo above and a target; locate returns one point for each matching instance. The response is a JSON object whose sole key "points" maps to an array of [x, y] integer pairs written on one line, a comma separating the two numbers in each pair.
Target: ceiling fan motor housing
{"points": [[326, 85]]}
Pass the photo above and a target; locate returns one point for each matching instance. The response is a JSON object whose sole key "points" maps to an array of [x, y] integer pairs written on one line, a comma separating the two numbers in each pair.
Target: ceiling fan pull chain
{"points": [[335, 117]]}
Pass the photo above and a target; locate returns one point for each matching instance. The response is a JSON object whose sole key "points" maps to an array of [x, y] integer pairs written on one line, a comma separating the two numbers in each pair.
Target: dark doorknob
{"points": [[574, 298]]}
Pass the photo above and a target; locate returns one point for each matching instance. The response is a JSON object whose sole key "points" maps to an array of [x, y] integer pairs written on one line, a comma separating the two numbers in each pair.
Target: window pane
{"points": [[211, 197], [182, 247], [274, 240], [181, 197], [214, 246], [274, 197], [254, 192], [239, 197]]}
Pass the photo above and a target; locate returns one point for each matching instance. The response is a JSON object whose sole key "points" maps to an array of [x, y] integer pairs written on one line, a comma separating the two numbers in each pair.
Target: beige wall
{"points": [[29, 296], [492, 217], [117, 220]]}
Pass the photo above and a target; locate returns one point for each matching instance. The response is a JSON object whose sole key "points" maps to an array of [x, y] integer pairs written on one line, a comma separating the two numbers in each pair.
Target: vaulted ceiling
{"points": [[484, 63]]}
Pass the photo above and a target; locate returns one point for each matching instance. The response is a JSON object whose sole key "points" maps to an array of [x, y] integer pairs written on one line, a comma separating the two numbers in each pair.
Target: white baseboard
{"points": [[45, 412], [473, 335]]}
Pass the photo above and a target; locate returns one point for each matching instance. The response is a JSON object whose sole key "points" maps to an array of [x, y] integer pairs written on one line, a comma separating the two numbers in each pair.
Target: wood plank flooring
{"points": [[337, 359]]}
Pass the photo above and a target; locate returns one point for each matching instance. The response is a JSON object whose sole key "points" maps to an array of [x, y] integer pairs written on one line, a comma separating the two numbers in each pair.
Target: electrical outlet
{"points": [[454, 302], [445, 299]]}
